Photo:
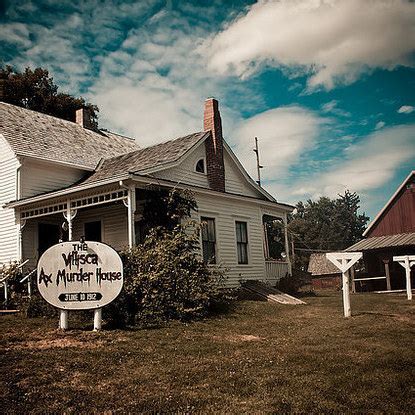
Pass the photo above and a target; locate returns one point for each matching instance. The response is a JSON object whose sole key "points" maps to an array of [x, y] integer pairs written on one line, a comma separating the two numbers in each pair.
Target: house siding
{"points": [[8, 185], [38, 177], [185, 173], [226, 212], [234, 180]]}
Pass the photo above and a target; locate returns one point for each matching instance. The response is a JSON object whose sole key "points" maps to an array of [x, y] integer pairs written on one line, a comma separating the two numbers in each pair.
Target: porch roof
{"points": [[381, 242]]}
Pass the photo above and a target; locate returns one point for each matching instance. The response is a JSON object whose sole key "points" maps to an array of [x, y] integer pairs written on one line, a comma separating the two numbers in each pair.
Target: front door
{"points": [[48, 235]]}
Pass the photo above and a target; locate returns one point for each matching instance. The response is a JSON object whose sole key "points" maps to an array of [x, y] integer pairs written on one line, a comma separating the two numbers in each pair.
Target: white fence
{"points": [[275, 270]]}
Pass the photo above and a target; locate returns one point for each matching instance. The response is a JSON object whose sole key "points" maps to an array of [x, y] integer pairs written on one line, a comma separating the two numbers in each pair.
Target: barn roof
{"points": [[33, 134], [320, 265], [380, 242], [388, 203]]}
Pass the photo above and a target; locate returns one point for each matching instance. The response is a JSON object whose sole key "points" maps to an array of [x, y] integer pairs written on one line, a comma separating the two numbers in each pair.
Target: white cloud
{"points": [[364, 166], [379, 125], [284, 134], [334, 41], [406, 109]]}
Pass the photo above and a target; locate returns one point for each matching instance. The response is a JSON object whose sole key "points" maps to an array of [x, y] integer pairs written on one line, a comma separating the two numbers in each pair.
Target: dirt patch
{"points": [[236, 338], [61, 343]]}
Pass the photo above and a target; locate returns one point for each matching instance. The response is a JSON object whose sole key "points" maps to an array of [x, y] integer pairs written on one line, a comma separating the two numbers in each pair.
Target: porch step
{"points": [[269, 293]]}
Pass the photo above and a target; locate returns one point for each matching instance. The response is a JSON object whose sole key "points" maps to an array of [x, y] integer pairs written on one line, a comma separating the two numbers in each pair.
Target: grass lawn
{"points": [[262, 357]]}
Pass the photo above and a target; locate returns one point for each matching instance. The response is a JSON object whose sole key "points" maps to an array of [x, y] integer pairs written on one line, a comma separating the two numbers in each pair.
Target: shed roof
{"points": [[33, 134], [320, 265], [381, 242]]}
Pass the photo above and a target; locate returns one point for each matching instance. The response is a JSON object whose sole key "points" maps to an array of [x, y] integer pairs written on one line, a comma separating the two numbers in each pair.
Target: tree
{"points": [[36, 90], [326, 225]]}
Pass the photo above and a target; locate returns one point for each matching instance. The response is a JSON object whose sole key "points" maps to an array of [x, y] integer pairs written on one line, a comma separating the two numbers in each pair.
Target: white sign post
{"points": [[407, 261], [344, 261], [80, 276]]}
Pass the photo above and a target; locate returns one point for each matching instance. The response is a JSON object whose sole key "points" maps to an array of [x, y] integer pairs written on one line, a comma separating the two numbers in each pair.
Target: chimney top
{"points": [[214, 145], [83, 118]]}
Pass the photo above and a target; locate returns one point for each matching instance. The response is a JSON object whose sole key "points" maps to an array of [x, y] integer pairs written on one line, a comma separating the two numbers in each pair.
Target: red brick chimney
{"points": [[214, 145]]}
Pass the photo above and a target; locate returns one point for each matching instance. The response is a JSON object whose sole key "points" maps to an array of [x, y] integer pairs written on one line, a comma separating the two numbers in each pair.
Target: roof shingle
{"points": [[31, 133], [149, 157]]}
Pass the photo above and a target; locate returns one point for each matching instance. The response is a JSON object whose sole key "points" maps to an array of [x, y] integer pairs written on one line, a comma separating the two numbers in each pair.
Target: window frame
{"points": [[246, 244], [215, 242], [204, 166]]}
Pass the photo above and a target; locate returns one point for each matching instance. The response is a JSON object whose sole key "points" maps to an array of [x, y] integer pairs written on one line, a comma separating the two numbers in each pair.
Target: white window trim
{"points": [[248, 232], [204, 164], [217, 244]]}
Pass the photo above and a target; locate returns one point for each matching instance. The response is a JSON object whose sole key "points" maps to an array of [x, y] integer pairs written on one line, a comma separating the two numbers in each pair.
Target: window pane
{"points": [[208, 240], [242, 242]]}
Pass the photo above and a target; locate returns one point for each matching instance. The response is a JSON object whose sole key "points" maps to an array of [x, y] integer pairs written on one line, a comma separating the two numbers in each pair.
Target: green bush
{"points": [[165, 279]]}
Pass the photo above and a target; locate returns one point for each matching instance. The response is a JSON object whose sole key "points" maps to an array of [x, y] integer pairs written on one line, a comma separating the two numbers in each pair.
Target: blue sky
{"points": [[327, 86]]}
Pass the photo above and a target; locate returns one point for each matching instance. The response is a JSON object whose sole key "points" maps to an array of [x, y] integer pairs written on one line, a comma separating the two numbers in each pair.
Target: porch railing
{"points": [[275, 270]]}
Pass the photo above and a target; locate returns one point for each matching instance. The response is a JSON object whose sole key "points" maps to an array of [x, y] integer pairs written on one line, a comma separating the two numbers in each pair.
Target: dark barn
{"points": [[391, 233]]}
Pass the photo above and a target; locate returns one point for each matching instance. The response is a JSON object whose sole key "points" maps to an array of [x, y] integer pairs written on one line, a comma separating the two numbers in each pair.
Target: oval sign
{"points": [[80, 276]]}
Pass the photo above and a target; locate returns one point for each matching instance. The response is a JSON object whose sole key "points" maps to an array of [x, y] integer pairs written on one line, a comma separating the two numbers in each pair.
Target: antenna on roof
{"points": [[258, 165]]}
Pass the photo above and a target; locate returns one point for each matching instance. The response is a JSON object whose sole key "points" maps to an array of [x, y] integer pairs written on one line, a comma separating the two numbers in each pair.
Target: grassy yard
{"points": [[260, 358]]}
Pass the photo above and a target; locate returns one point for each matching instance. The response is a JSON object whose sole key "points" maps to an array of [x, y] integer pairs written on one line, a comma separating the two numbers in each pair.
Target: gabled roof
{"points": [[388, 203], [155, 157], [320, 265], [33, 134], [380, 242]]}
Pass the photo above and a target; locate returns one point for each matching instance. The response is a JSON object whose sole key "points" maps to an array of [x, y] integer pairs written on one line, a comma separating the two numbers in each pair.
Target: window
{"points": [[93, 231], [208, 240], [242, 242], [200, 166]]}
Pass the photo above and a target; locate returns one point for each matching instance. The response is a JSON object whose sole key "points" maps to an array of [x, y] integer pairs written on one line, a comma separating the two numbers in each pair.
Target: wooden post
{"points": [[407, 261], [97, 319], [408, 278], [344, 261], [63, 319], [353, 281], [131, 204], [346, 291], [387, 274], [287, 245], [6, 294]]}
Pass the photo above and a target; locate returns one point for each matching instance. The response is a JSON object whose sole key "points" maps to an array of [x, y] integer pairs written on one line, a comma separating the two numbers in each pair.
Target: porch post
{"points": [[353, 281], [21, 224], [287, 245], [69, 215], [408, 278], [387, 274], [131, 211]]}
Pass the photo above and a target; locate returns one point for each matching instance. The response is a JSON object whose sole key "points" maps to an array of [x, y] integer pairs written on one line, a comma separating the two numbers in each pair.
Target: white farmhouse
{"points": [[57, 174]]}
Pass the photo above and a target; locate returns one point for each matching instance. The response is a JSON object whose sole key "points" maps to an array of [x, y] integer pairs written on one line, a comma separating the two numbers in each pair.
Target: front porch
{"points": [[113, 214]]}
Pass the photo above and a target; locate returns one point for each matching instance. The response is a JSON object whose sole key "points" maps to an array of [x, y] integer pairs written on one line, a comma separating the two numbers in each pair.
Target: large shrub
{"points": [[166, 279]]}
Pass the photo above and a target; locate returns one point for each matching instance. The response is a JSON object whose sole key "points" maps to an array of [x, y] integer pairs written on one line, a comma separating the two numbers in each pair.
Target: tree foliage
{"points": [[326, 224], [165, 279], [36, 90]]}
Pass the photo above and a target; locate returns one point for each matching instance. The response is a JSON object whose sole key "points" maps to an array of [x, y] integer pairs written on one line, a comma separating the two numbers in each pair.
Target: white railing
{"points": [[275, 270]]}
